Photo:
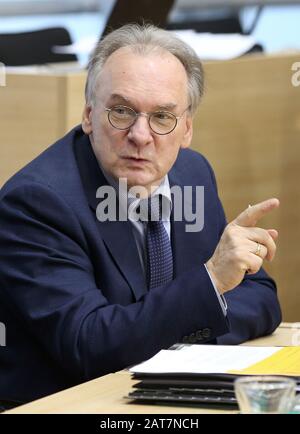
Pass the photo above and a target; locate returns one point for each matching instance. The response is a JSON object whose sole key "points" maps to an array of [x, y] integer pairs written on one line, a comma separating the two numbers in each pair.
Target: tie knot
{"points": [[151, 208]]}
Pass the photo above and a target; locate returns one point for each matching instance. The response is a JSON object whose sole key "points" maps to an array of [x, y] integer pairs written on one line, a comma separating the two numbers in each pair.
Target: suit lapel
{"points": [[119, 239], [187, 246], [118, 236]]}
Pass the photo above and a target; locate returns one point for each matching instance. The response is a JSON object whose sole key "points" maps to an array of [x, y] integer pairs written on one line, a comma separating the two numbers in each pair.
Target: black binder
{"points": [[214, 391], [208, 390]]}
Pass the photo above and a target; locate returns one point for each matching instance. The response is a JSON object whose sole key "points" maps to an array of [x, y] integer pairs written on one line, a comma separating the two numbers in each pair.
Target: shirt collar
{"points": [[131, 202], [162, 190]]}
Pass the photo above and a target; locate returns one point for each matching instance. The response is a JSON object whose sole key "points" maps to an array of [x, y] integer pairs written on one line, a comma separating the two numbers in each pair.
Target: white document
{"points": [[204, 359], [83, 46], [208, 46]]}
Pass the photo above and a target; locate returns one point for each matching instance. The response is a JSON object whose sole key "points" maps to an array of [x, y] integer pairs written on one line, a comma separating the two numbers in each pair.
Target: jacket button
{"points": [[192, 338], [199, 335], [206, 333]]}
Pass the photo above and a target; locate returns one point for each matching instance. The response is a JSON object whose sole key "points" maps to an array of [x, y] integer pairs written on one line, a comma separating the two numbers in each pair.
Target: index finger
{"points": [[250, 216]]}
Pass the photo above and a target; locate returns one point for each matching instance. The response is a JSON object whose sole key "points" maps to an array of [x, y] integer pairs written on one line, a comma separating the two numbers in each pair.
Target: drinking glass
{"points": [[265, 394]]}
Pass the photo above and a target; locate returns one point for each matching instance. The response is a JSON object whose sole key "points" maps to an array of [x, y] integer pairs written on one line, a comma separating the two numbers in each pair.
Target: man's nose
{"points": [[140, 132]]}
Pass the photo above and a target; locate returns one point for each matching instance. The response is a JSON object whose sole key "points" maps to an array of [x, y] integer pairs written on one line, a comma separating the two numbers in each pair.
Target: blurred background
{"points": [[273, 24]]}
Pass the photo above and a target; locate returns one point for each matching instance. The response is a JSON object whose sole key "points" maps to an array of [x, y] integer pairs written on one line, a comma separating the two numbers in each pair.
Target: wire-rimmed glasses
{"points": [[162, 122]]}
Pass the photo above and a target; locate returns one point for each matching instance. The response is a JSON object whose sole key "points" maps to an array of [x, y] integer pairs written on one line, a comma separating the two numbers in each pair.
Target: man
{"points": [[83, 295]]}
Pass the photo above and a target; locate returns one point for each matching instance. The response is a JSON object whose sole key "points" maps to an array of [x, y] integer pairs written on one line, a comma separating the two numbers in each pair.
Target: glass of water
{"points": [[265, 394]]}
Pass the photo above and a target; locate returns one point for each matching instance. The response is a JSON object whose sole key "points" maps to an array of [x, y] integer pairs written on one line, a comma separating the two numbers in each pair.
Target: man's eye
{"points": [[163, 117], [120, 110]]}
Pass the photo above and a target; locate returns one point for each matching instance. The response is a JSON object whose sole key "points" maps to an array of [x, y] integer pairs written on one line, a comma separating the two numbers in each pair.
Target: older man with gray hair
{"points": [[97, 271]]}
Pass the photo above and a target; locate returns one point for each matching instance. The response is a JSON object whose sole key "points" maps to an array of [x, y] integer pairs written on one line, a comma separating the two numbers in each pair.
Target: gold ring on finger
{"points": [[258, 249]]}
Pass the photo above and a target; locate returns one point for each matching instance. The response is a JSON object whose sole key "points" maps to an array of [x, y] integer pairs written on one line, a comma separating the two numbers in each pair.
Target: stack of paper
{"points": [[206, 373]]}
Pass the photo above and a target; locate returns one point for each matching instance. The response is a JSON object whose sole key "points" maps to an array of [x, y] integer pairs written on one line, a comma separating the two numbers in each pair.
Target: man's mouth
{"points": [[135, 159]]}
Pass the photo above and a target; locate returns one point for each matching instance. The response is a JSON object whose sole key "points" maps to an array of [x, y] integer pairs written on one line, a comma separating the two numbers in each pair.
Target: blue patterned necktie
{"points": [[159, 250]]}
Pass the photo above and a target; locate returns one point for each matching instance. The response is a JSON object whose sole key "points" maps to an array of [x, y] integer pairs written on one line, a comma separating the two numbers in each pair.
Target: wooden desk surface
{"points": [[105, 394]]}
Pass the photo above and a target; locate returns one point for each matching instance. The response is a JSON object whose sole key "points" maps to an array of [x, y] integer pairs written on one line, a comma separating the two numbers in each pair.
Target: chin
{"points": [[138, 181], [136, 178]]}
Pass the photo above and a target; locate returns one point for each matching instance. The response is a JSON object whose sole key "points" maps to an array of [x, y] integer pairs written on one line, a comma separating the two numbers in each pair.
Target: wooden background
{"points": [[249, 129]]}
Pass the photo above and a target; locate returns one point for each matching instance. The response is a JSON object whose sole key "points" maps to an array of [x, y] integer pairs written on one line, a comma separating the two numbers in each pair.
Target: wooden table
{"points": [[105, 394]]}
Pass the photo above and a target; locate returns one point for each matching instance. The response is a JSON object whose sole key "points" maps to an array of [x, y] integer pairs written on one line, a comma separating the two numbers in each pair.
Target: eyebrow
{"points": [[116, 97]]}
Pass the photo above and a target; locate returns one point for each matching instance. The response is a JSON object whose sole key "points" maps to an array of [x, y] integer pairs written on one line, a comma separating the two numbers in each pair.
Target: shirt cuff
{"points": [[221, 297]]}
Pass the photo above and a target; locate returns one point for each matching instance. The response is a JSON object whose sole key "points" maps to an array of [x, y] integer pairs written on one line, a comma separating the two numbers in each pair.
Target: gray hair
{"points": [[143, 39]]}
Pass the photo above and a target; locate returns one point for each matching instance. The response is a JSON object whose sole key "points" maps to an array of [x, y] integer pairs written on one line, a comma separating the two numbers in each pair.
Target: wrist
{"points": [[211, 271]]}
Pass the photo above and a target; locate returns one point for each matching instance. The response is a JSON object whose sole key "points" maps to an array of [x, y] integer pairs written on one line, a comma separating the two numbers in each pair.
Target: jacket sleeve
{"points": [[47, 279]]}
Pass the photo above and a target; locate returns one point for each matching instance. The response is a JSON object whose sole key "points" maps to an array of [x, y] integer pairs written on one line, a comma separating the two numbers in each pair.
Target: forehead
{"points": [[152, 78]]}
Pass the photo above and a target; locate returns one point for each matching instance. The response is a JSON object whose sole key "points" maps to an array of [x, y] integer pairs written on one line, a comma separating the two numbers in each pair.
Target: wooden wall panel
{"points": [[248, 127]]}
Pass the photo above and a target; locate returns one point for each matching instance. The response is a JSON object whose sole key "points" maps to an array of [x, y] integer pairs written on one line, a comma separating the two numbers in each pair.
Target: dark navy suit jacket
{"points": [[73, 296]]}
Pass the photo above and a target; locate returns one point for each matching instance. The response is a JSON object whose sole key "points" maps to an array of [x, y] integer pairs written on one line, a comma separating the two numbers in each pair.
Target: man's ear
{"points": [[188, 134], [86, 119]]}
